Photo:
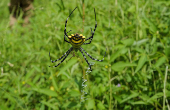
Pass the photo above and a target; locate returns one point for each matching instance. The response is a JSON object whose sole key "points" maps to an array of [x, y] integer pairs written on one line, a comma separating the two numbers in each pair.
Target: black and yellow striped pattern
{"points": [[76, 40]]}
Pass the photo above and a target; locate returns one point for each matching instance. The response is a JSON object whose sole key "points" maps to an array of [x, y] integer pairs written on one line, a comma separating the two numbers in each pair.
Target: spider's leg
{"points": [[91, 37], [65, 33], [92, 57], [60, 57], [65, 38], [64, 57], [85, 59]]}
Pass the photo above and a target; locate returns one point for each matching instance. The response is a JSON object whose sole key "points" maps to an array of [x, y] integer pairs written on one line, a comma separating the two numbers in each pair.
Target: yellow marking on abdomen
{"points": [[77, 44]]}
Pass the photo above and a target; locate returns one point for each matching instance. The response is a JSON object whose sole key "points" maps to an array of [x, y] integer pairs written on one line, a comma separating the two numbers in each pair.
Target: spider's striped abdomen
{"points": [[76, 40]]}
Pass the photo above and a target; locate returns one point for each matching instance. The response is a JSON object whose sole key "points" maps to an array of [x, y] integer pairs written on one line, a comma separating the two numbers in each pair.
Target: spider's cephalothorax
{"points": [[76, 40]]}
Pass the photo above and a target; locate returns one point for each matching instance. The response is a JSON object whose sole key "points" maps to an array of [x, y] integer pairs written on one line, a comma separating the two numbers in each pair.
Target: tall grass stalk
{"points": [[164, 90]]}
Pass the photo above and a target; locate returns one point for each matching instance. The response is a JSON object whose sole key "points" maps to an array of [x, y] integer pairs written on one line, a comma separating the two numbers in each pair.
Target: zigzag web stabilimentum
{"points": [[83, 85]]}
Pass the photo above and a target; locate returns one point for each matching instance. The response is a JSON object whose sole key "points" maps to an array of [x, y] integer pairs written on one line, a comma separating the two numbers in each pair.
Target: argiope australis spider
{"points": [[76, 40]]}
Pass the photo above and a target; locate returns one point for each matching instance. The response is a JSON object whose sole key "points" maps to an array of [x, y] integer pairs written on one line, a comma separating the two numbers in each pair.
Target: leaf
{"points": [[155, 48], [144, 97], [140, 42], [46, 92], [53, 106], [29, 74], [141, 62], [156, 96], [139, 103], [128, 42], [37, 68], [167, 50], [131, 9], [69, 64], [117, 97], [139, 50], [119, 66], [118, 53], [54, 82], [153, 40], [160, 61], [9, 97], [90, 104], [36, 78], [74, 93], [133, 94], [151, 25], [100, 105]]}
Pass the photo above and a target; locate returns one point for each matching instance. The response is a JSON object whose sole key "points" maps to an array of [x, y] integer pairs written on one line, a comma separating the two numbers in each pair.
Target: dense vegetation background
{"points": [[134, 75]]}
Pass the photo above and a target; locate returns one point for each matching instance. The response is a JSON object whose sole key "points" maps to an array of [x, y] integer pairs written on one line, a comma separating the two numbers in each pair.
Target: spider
{"points": [[76, 40]]}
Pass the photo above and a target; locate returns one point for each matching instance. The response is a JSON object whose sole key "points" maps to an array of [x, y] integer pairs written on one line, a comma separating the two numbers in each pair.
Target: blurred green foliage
{"points": [[134, 75]]}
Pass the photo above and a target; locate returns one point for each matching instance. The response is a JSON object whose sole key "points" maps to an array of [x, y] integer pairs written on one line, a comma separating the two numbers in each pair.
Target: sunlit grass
{"points": [[134, 74]]}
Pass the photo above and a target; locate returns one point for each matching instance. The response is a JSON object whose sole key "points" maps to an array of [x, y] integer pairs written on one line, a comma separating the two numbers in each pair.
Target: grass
{"points": [[134, 75]]}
